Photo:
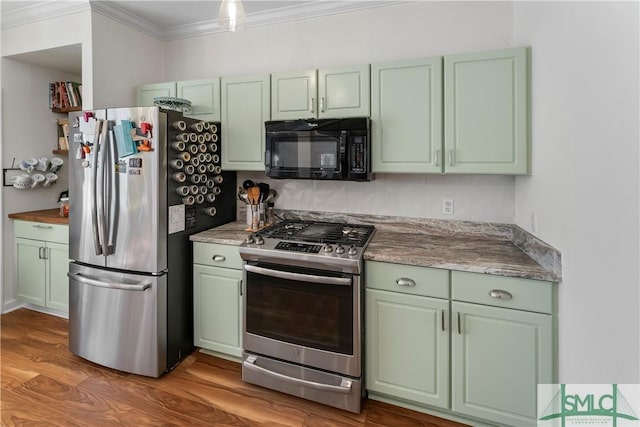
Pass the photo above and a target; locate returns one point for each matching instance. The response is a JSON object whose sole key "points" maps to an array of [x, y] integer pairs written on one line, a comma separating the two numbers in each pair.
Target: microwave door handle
{"points": [[324, 280], [94, 189]]}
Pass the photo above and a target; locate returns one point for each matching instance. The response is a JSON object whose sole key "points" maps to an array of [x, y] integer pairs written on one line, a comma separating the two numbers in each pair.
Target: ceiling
{"points": [[163, 19]]}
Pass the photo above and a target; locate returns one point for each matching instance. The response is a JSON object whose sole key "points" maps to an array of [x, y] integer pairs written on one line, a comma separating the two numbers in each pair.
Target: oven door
{"points": [[305, 316]]}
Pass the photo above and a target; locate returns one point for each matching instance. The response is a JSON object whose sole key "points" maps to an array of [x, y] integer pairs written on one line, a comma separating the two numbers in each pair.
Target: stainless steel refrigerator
{"points": [[142, 180]]}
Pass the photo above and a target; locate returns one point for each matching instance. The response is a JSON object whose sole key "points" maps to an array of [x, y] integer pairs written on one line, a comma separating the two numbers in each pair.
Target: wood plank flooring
{"points": [[43, 384]]}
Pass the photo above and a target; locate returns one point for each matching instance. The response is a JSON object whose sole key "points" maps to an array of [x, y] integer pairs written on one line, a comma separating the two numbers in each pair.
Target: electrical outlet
{"points": [[447, 206]]}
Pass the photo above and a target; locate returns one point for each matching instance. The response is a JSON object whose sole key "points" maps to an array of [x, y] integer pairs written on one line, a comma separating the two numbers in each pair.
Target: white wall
{"points": [[123, 59], [28, 127], [401, 31], [585, 185], [29, 131]]}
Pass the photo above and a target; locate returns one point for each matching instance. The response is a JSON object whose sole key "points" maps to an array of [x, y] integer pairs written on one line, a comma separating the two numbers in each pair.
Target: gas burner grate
{"points": [[320, 232]]}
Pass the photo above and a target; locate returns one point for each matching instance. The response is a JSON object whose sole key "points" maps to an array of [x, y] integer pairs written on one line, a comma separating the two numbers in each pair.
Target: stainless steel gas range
{"points": [[303, 310]]}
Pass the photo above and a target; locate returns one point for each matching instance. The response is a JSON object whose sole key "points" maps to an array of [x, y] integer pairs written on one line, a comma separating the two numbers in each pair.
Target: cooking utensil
{"points": [[264, 191], [254, 195], [247, 184], [272, 195], [243, 196]]}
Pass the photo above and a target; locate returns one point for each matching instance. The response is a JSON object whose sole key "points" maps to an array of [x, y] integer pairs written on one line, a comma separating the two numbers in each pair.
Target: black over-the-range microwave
{"points": [[324, 149]]}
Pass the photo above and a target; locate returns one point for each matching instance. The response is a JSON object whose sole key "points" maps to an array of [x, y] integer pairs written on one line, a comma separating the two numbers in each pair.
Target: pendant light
{"points": [[231, 15]]}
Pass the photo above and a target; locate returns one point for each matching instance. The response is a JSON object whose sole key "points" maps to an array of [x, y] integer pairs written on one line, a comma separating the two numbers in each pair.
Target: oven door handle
{"points": [[344, 387], [324, 280]]}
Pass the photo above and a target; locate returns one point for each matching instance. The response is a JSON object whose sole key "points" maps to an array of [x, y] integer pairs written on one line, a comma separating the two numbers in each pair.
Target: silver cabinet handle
{"points": [[218, 258], [322, 109], [437, 158], [112, 285], [344, 387], [500, 294], [311, 105], [42, 227], [451, 157], [459, 325], [42, 252], [404, 281], [442, 319]]}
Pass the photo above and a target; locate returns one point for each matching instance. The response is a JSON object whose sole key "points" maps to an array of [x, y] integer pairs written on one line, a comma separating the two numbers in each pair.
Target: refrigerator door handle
{"points": [[104, 187], [112, 199], [94, 189], [141, 286]]}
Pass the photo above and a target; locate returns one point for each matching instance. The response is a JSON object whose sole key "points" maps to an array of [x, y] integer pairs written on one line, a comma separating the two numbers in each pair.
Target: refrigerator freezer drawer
{"points": [[118, 319]]}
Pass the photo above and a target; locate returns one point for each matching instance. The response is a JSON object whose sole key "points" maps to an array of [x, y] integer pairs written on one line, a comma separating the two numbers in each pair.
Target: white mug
{"points": [[37, 179], [27, 165], [56, 164], [50, 179], [43, 164]]}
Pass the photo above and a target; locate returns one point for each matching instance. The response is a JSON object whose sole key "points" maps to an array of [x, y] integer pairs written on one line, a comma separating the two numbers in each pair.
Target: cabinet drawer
{"points": [[41, 231], [431, 282], [500, 291], [216, 255]]}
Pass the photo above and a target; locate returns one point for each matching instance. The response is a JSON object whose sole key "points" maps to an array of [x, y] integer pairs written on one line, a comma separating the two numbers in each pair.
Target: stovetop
{"points": [[313, 244], [320, 232]]}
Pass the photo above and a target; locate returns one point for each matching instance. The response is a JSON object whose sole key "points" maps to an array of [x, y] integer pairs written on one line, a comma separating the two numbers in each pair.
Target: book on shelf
{"points": [[65, 95], [63, 134]]}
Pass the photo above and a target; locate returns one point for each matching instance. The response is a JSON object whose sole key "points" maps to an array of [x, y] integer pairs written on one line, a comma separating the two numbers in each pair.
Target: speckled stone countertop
{"points": [[500, 249]]}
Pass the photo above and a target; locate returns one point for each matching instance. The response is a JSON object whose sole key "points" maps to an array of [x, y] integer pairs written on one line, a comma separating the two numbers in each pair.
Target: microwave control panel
{"points": [[358, 154]]}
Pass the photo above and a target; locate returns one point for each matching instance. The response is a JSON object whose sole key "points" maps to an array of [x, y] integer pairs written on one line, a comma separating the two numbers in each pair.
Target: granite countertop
{"points": [[499, 249], [461, 253], [233, 233], [49, 216]]}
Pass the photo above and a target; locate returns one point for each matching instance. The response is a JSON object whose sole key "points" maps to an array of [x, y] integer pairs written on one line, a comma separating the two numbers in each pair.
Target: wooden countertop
{"points": [[49, 216]]}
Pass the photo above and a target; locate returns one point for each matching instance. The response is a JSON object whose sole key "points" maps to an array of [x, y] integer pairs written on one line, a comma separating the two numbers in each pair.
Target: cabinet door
{"points": [[486, 98], [204, 96], [218, 309], [406, 116], [245, 108], [294, 95], [498, 358], [344, 92], [407, 347], [30, 270], [57, 292], [146, 93]]}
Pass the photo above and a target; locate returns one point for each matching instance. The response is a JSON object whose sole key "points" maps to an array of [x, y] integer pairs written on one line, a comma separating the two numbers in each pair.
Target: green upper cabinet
{"points": [[146, 93], [204, 96], [245, 108], [406, 116], [486, 112], [294, 95], [325, 93]]}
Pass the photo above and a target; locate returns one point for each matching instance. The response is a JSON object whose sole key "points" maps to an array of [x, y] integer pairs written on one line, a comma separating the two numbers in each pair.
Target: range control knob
{"points": [[327, 248], [259, 240], [340, 249], [352, 250], [250, 240]]}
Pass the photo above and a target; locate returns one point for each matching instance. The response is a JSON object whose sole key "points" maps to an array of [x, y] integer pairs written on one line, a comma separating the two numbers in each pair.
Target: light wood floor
{"points": [[43, 384]]}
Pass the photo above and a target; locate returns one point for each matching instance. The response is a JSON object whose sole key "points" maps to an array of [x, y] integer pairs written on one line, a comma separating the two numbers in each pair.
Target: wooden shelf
{"points": [[61, 152], [66, 110]]}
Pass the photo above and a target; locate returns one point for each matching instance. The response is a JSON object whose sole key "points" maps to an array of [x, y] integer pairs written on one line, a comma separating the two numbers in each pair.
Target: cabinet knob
{"points": [[500, 294], [404, 281]]}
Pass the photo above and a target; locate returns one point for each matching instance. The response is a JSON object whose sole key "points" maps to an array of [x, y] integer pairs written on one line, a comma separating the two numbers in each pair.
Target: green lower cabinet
{"points": [[41, 273], [498, 357], [218, 309], [407, 347]]}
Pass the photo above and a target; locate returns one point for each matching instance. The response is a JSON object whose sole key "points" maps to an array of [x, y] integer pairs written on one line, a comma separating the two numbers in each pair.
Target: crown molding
{"points": [[40, 11], [53, 8]]}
